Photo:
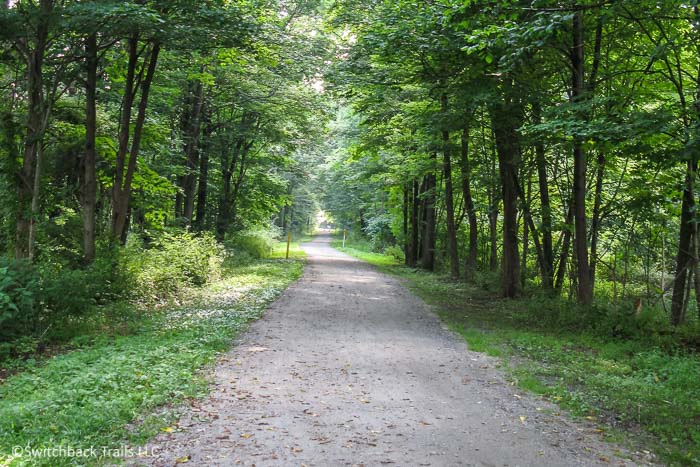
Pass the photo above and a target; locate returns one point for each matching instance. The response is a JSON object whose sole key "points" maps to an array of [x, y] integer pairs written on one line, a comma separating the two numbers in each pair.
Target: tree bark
{"points": [[546, 208], [406, 210], [428, 250], [191, 134], [449, 201], [465, 166], [35, 128], [412, 253], [203, 185], [504, 119], [565, 250], [122, 191], [583, 275], [684, 257]]}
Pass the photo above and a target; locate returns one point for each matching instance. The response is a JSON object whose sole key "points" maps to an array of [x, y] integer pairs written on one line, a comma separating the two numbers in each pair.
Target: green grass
{"points": [[640, 389], [279, 250], [121, 390], [378, 259]]}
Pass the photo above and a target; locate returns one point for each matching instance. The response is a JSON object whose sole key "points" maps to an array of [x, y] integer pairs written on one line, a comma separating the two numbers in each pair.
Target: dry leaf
{"points": [[523, 418], [246, 435], [182, 460]]}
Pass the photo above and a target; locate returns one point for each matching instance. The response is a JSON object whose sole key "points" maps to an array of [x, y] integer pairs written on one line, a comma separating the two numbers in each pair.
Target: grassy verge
{"points": [[640, 386], [295, 252], [91, 396]]}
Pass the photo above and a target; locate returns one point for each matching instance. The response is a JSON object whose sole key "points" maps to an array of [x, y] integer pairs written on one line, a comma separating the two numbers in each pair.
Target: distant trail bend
{"points": [[350, 368]]}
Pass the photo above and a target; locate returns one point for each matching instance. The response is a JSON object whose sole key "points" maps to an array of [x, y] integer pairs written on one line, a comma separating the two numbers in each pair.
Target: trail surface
{"points": [[349, 368]]}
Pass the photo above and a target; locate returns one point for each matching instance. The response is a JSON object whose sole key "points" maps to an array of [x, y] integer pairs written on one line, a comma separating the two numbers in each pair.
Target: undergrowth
{"points": [[92, 395]]}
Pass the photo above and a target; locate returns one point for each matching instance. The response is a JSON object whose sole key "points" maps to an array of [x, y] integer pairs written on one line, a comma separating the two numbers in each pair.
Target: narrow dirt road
{"points": [[349, 368]]}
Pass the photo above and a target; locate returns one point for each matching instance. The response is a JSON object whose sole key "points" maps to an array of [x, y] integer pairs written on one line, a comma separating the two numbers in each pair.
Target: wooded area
{"points": [[532, 165], [554, 143], [131, 127]]}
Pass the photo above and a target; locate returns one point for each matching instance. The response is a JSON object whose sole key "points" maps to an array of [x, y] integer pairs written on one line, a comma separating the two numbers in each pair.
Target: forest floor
{"points": [[350, 368]]}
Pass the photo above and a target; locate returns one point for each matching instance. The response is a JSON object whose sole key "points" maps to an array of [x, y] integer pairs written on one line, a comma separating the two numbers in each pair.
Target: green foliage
{"points": [[91, 394], [378, 229], [395, 252], [19, 289], [251, 244], [172, 264]]}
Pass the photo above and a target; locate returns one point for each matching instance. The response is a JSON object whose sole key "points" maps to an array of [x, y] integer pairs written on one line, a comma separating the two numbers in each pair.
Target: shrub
{"points": [[19, 287], [252, 243], [378, 229], [173, 263], [395, 252]]}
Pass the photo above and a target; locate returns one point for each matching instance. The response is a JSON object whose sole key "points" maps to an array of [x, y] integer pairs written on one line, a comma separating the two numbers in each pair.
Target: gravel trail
{"points": [[350, 368]]}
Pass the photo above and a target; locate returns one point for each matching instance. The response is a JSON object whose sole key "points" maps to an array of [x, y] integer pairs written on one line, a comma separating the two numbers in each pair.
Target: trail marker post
{"points": [[345, 232], [289, 240]]}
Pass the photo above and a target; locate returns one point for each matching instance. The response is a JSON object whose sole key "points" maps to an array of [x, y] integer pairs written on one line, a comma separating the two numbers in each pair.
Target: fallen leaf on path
{"points": [[168, 429], [523, 418], [424, 423], [246, 435], [182, 460]]}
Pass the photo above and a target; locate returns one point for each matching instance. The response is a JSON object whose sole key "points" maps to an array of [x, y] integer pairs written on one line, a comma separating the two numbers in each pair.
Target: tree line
{"points": [[553, 142], [122, 117]]}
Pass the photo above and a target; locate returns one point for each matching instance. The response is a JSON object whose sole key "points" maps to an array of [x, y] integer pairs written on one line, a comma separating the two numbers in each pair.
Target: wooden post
{"points": [[345, 232], [289, 240]]}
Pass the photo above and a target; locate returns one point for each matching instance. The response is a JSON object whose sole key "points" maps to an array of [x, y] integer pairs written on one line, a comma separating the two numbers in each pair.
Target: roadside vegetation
{"points": [[125, 369], [633, 375]]}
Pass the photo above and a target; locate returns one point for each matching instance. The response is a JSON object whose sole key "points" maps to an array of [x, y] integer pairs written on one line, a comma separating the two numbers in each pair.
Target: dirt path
{"points": [[349, 368]]}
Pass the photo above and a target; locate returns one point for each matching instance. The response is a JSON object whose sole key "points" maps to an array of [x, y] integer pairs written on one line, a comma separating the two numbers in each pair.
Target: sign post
{"points": [[345, 232], [289, 240]]}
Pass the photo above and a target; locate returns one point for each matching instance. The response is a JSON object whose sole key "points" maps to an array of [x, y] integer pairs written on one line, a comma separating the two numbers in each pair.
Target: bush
{"points": [[395, 252], [378, 229], [252, 243], [19, 288], [173, 263]]}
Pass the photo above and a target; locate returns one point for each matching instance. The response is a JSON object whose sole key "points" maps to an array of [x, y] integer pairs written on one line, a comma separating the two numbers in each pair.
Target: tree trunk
{"points": [[406, 211], [35, 127], [449, 201], [526, 232], [191, 133], [471, 260], [202, 186], [684, 257], [545, 206], [505, 123], [583, 275], [595, 220], [89, 191], [412, 253], [428, 253], [493, 233], [565, 249], [122, 192]]}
